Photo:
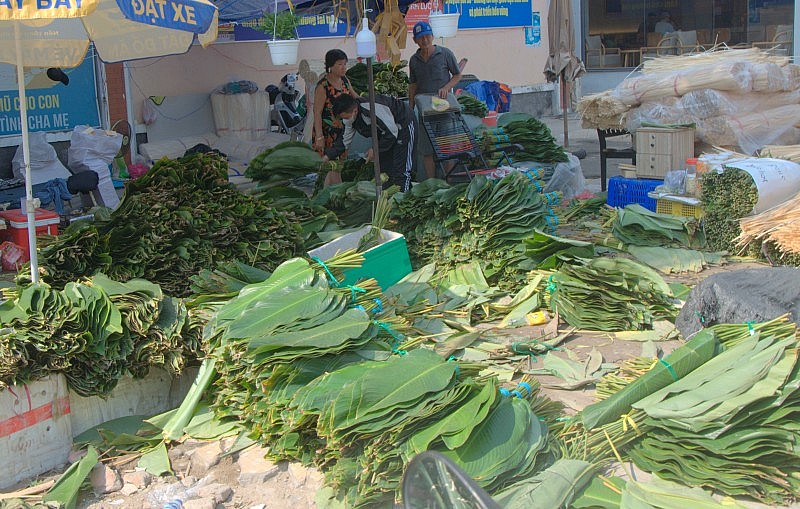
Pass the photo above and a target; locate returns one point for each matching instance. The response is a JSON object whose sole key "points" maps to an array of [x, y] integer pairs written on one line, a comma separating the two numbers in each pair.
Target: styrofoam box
{"points": [[388, 262]]}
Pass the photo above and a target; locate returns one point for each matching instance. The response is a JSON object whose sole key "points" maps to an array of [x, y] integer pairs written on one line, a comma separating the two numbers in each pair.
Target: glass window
{"points": [[621, 33]]}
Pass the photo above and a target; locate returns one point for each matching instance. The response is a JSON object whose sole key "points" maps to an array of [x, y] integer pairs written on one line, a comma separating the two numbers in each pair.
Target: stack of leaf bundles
{"points": [[536, 139], [484, 224], [92, 332], [612, 294], [181, 217], [316, 372]]}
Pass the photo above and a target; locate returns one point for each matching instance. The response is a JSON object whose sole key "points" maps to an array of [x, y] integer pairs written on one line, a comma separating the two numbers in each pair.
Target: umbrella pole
{"points": [[26, 158], [564, 106], [373, 129]]}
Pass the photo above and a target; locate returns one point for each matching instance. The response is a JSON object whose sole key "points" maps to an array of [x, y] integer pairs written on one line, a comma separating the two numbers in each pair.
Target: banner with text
{"points": [[52, 106], [477, 13], [309, 26]]}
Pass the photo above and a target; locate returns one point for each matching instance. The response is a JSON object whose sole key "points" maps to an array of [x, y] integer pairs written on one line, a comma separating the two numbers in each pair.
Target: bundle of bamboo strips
{"points": [[673, 63], [780, 225], [790, 152], [768, 77], [725, 75], [601, 111], [751, 131]]}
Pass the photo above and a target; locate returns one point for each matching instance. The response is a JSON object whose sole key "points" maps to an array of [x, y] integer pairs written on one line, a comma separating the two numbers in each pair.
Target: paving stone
{"points": [[254, 467], [104, 479]]}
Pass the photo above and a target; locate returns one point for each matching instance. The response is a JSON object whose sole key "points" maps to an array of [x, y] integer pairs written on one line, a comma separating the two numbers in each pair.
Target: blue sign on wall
{"points": [[52, 106], [309, 27], [492, 13]]}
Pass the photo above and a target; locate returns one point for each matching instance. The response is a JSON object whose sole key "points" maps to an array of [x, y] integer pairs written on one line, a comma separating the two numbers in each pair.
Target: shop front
{"points": [[621, 34]]}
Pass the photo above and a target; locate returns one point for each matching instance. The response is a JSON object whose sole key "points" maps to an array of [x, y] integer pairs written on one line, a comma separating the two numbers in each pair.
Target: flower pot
{"points": [[283, 52], [443, 25]]}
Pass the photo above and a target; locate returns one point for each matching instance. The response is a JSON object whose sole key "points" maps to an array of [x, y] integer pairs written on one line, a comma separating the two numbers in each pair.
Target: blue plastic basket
{"points": [[622, 191]]}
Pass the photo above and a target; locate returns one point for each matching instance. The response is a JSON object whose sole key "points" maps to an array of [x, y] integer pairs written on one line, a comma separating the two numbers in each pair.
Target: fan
{"points": [[122, 127]]}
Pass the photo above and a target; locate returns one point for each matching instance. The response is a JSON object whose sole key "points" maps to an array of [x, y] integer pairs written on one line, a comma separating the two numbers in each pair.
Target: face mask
{"points": [[347, 121]]}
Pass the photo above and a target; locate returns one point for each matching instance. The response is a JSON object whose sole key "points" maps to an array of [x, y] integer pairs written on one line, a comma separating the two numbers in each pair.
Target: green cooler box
{"points": [[388, 262]]}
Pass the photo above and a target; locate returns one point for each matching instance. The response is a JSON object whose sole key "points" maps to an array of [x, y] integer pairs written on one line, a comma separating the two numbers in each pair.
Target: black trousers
{"points": [[398, 161]]}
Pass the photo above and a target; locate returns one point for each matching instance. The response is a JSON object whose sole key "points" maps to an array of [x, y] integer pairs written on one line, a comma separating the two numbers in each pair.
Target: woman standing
{"points": [[327, 128]]}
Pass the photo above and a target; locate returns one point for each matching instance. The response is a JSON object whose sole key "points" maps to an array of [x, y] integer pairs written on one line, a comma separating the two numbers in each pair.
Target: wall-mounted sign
{"points": [[52, 106], [310, 26], [476, 13]]}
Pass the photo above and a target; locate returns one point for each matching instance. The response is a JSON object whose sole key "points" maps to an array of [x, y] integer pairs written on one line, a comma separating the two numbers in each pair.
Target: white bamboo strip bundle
{"points": [[726, 75], [708, 102], [601, 111], [711, 58], [750, 132], [792, 74], [768, 77], [780, 224], [790, 152]]}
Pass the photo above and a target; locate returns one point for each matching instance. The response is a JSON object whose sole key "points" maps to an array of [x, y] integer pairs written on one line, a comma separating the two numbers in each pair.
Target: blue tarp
{"points": [[492, 93]]}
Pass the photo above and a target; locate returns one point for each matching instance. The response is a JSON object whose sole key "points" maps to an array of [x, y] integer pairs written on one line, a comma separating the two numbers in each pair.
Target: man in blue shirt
{"points": [[433, 70]]}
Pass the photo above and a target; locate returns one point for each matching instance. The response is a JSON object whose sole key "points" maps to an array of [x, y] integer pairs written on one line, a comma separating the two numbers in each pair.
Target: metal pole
{"points": [[30, 209], [564, 106], [373, 128]]}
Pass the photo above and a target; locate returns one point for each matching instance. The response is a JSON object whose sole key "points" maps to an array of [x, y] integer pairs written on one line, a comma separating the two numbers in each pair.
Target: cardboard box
{"points": [[388, 262], [17, 230]]}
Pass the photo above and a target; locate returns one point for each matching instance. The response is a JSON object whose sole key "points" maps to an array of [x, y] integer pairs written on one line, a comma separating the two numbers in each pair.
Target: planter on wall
{"points": [[443, 25], [283, 52]]}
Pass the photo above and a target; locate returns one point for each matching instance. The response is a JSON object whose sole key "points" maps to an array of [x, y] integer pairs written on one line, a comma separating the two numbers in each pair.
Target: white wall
{"points": [[494, 54]]}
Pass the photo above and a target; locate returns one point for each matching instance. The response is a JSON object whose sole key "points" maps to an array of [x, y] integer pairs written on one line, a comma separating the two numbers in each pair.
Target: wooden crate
{"points": [[659, 150]]}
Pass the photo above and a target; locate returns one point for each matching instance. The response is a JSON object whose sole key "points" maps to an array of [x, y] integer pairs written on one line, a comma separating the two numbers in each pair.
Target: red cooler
{"points": [[17, 225]]}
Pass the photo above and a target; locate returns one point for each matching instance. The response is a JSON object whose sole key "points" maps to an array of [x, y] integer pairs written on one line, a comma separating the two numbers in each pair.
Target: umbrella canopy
{"points": [[57, 33], [561, 37], [562, 64]]}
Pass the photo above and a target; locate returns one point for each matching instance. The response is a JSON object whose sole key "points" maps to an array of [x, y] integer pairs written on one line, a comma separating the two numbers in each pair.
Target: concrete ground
{"points": [[586, 139]]}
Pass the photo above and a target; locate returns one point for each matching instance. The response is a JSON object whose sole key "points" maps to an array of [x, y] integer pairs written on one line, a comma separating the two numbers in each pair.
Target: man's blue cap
{"points": [[422, 28]]}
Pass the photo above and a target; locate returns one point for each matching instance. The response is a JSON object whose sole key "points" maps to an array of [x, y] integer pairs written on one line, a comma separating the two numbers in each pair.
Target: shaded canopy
{"points": [[561, 38]]}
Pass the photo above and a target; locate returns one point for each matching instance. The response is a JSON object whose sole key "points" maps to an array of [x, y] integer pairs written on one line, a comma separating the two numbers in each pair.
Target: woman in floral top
{"points": [[327, 128]]}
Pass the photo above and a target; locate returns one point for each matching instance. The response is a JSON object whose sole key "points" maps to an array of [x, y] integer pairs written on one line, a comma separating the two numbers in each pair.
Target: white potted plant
{"points": [[443, 23], [282, 27]]}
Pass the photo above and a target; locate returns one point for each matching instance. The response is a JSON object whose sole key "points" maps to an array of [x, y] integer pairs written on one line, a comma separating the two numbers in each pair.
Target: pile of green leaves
{"points": [[92, 332], [352, 202], [636, 225], [611, 294], [536, 139], [317, 372], [730, 425], [181, 217], [470, 105], [389, 79], [283, 162], [483, 223], [726, 198]]}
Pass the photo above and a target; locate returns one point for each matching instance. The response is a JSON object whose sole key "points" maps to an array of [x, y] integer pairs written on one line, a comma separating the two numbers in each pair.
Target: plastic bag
{"points": [[94, 149], [13, 256], [44, 161], [568, 179]]}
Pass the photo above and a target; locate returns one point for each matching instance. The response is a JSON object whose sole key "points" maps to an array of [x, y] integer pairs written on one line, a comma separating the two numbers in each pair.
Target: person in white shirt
{"points": [[664, 25]]}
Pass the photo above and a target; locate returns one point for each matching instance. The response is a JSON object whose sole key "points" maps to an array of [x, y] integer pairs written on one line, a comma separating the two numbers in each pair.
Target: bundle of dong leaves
{"points": [[181, 217], [532, 135], [317, 372], [93, 332], [719, 412], [484, 221], [611, 294]]}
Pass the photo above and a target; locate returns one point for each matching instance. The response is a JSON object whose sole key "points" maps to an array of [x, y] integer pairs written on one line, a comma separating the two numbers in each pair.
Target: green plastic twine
{"points": [[670, 369], [331, 278], [396, 335], [551, 284]]}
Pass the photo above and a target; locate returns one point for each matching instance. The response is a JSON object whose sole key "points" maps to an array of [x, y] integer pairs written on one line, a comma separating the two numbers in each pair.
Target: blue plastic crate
{"points": [[622, 191]]}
